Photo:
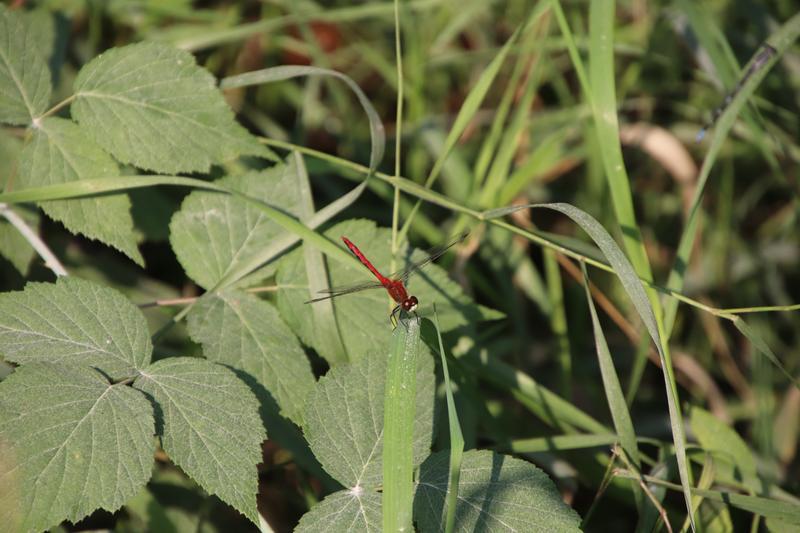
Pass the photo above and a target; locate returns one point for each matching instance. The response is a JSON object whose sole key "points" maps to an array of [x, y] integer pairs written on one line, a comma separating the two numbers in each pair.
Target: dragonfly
{"points": [[395, 284]]}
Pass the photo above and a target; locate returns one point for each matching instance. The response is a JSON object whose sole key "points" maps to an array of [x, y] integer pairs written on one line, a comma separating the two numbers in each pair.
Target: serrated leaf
{"points": [[344, 419], [214, 233], [73, 443], [239, 330], [346, 510], [733, 460], [209, 426], [361, 315], [496, 493], [25, 85], [60, 152], [74, 322], [151, 106]]}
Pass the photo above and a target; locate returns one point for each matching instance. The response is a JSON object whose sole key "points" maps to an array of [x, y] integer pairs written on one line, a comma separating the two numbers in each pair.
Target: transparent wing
{"points": [[433, 254], [347, 289]]}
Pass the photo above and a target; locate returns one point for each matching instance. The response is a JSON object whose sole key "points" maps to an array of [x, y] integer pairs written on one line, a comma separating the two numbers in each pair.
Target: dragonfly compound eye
{"points": [[410, 304]]}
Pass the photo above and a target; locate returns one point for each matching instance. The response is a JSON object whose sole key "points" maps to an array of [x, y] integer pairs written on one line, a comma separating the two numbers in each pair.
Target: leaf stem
{"points": [[50, 259]]}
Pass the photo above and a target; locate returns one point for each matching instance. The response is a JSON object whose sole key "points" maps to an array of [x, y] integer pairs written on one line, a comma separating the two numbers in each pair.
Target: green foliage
{"points": [[173, 117], [73, 442], [499, 492], [179, 326], [78, 437]]}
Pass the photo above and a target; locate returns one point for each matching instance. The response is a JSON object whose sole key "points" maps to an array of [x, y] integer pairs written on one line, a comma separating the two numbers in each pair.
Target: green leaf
{"points": [[72, 443], [398, 425], [733, 460], [214, 234], [239, 330], [496, 493], [60, 152], [209, 426], [151, 106], [346, 510], [344, 419], [25, 85], [362, 314], [616, 400], [74, 322]]}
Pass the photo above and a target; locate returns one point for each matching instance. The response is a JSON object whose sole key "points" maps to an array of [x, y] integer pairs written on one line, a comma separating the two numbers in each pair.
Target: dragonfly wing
{"points": [[347, 289], [432, 255]]}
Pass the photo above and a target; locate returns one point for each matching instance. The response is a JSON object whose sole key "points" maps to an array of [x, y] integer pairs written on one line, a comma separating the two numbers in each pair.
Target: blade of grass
{"points": [[784, 37], [611, 384], [712, 41], [544, 403], [456, 438], [398, 426], [324, 318], [763, 348], [636, 292], [558, 320], [465, 115], [269, 75], [787, 511]]}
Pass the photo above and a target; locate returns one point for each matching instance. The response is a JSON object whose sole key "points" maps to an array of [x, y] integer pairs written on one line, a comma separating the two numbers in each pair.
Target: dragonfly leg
{"points": [[393, 316]]}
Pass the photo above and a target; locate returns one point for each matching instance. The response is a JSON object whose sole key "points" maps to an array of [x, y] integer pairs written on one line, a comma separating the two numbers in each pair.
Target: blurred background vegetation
{"points": [[532, 140]]}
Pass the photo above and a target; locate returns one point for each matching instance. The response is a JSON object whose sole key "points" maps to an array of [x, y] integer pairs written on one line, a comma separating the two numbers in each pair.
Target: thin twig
{"points": [[50, 260]]}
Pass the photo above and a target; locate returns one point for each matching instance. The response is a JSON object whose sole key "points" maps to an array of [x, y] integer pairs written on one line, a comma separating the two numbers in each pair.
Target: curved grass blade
{"points": [[456, 438], [636, 292], [780, 41]]}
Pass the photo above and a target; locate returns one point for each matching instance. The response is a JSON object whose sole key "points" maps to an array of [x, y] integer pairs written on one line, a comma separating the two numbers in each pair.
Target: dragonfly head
{"points": [[410, 304]]}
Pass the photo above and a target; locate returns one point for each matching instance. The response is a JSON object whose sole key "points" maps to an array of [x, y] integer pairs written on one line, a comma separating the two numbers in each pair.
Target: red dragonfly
{"points": [[395, 284]]}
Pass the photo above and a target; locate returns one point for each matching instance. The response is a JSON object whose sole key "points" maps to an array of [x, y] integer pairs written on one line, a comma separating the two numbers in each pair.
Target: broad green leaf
{"points": [[150, 105], [60, 152], [344, 419], [209, 425], [214, 233], [353, 510], [239, 330], [25, 85], [10, 151], [74, 322], [496, 493], [733, 460], [363, 316], [72, 443]]}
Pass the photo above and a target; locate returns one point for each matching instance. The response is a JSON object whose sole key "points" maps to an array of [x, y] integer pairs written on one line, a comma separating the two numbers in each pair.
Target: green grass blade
{"points": [[398, 426], [611, 384], [558, 320], [456, 438], [780, 40], [544, 403], [324, 317], [604, 109], [636, 292], [465, 115], [762, 347], [616, 399], [268, 75]]}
